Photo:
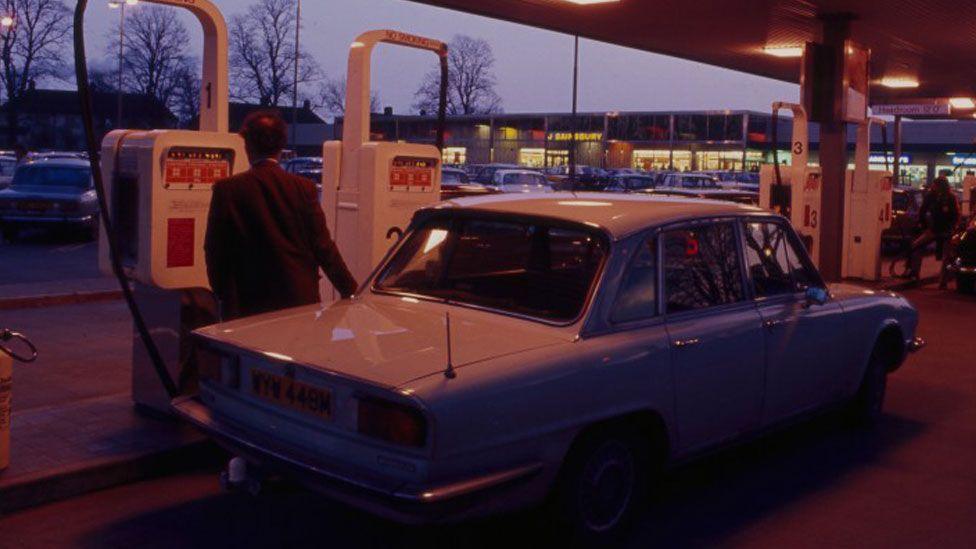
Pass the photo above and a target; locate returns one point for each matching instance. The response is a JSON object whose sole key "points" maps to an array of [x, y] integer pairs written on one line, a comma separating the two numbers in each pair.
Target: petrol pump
{"points": [[794, 192], [867, 210], [159, 184], [371, 188]]}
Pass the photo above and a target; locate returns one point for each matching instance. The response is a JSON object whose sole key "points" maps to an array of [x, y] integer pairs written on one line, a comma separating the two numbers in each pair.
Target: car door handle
{"points": [[682, 343]]}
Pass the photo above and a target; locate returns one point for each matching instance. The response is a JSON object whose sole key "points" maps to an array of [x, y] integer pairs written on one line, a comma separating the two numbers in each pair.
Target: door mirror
{"points": [[816, 295]]}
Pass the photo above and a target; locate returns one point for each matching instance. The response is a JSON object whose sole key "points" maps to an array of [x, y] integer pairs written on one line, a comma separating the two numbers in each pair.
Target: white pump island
{"points": [[371, 189]]}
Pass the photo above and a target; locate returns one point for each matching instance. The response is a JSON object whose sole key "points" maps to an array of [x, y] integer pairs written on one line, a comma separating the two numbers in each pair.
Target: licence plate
{"points": [[285, 391], [33, 206]]}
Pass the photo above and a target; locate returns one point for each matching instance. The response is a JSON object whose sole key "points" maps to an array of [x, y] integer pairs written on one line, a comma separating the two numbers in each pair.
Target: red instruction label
{"points": [[196, 172], [412, 174], [179, 242]]}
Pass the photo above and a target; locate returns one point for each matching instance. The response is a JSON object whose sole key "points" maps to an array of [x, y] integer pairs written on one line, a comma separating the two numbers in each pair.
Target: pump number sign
{"points": [[196, 166], [412, 174]]}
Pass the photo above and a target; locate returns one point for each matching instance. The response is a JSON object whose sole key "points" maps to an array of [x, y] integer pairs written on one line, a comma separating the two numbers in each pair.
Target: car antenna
{"points": [[449, 373]]}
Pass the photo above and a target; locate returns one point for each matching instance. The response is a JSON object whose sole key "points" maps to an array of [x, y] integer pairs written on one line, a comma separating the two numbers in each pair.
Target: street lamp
{"points": [[6, 21], [294, 91], [119, 5]]}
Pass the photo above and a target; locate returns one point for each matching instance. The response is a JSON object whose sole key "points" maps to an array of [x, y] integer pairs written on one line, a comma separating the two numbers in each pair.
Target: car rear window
{"points": [[531, 268], [523, 179], [52, 176]]}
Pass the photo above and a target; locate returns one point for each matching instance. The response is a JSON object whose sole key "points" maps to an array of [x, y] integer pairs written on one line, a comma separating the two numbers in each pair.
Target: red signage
{"points": [[412, 174], [196, 166], [179, 242]]}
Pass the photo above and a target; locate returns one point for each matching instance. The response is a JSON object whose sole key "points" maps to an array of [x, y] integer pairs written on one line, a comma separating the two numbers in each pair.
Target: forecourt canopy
{"points": [[919, 48]]}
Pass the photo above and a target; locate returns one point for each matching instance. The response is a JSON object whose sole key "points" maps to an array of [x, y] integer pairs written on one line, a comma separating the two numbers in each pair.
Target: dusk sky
{"points": [[533, 67]]}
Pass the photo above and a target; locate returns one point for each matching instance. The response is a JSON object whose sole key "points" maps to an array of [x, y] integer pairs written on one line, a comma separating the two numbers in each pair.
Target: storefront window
{"points": [[660, 159], [455, 155], [691, 127], [725, 127], [719, 160], [532, 158]]}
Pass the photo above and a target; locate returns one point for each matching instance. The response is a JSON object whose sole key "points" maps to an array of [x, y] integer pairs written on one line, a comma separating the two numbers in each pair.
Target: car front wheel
{"points": [[603, 483], [868, 403]]}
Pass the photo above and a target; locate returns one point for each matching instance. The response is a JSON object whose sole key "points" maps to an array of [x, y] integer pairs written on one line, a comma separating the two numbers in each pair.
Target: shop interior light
{"points": [[588, 2], [962, 102], [899, 82], [784, 51]]}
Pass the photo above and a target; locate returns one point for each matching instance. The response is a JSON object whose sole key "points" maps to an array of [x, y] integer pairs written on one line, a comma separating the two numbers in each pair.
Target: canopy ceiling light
{"points": [[784, 51], [899, 82], [588, 2]]}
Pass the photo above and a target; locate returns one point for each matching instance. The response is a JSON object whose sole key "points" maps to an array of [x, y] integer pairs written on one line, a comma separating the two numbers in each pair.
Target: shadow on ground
{"points": [[699, 504]]}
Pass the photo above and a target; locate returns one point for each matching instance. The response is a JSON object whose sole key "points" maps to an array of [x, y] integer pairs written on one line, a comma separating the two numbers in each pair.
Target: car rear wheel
{"points": [[868, 404], [603, 483]]}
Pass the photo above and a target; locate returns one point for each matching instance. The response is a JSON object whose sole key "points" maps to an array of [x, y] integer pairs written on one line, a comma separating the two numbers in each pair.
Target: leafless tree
{"points": [[155, 52], [32, 49], [262, 53], [331, 98], [186, 94], [470, 81]]}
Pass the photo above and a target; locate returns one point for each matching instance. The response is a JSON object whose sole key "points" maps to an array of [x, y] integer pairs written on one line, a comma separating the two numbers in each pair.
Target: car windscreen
{"points": [[52, 176], [451, 176], [7, 167], [532, 268], [523, 179], [640, 183]]}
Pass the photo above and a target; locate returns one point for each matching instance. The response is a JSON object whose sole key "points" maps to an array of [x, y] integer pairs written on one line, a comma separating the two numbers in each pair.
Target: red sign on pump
{"points": [[179, 242]]}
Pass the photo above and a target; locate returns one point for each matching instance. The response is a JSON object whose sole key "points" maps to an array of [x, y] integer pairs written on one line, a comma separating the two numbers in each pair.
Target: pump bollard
{"points": [[7, 358]]}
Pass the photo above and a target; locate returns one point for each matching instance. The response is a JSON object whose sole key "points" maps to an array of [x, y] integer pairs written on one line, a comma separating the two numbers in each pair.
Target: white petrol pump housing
{"points": [[867, 210], [795, 191], [159, 185], [371, 189], [968, 206], [159, 181]]}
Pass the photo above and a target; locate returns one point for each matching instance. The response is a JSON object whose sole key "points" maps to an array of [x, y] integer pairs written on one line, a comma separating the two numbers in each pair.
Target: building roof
{"points": [[618, 214], [931, 40], [239, 111], [104, 104]]}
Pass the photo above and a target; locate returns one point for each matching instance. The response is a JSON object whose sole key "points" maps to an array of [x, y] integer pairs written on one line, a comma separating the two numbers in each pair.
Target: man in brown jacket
{"points": [[266, 233]]}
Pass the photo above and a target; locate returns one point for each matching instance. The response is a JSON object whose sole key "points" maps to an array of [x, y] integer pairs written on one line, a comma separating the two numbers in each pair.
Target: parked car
{"points": [[50, 193], [517, 349], [486, 173], [455, 184], [519, 181], [309, 167], [588, 178], [630, 183], [962, 266], [737, 180], [8, 164], [677, 180], [905, 205]]}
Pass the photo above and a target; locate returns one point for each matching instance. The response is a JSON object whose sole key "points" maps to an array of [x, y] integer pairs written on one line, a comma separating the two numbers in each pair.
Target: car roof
{"points": [[59, 162], [619, 215], [505, 172]]}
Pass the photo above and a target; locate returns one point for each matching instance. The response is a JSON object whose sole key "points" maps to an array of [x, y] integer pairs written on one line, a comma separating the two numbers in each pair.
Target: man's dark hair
{"points": [[264, 133]]}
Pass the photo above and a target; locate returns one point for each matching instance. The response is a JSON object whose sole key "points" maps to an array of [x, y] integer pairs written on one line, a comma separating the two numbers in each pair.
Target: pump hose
{"points": [[84, 96]]}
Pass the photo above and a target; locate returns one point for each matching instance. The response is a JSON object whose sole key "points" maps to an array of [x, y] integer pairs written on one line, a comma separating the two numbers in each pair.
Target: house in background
{"points": [[51, 119]]}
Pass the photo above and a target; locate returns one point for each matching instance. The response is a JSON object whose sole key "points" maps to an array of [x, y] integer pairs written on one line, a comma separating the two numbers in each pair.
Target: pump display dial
{"points": [[412, 174], [196, 166]]}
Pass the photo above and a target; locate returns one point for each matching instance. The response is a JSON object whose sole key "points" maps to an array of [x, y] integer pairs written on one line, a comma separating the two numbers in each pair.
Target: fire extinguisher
{"points": [[7, 358]]}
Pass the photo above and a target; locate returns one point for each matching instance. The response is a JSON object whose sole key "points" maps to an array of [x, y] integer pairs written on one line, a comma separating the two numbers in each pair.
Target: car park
{"points": [[625, 183], [519, 349], [455, 184], [50, 193], [519, 181], [486, 173]]}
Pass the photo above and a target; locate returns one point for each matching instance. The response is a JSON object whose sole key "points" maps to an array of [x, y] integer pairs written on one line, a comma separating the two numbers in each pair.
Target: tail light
{"points": [[217, 367], [392, 422]]}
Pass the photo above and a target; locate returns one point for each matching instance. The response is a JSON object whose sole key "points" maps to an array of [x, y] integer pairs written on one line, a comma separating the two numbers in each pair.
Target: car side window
{"points": [[767, 260], [773, 261], [637, 298], [701, 267]]}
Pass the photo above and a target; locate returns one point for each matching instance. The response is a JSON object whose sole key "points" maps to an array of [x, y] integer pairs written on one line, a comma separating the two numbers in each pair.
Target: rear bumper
{"points": [[414, 504]]}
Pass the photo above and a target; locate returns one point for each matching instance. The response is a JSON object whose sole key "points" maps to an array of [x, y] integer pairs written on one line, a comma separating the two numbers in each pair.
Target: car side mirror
{"points": [[816, 295]]}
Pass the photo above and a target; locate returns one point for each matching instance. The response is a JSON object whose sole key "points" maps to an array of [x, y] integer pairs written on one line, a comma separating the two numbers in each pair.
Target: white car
{"points": [[514, 347], [519, 181]]}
